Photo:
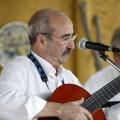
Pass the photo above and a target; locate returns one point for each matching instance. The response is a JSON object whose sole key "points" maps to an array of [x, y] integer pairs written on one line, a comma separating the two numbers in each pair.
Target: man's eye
{"points": [[66, 38]]}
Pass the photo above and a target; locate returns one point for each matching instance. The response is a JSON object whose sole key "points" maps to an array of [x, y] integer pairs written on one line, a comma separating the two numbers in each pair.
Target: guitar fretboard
{"points": [[103, 95]]}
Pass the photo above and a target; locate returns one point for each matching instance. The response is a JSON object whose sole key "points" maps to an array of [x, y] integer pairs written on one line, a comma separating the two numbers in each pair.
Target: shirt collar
{"points": [[48, 68]]}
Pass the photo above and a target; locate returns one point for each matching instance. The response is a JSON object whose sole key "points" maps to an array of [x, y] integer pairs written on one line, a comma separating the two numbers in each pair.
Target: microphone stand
{"points": [[106, 58]]}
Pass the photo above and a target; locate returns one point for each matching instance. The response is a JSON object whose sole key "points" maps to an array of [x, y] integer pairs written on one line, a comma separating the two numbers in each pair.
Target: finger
{"points": [[88, 114], [79, 102], [82, 117]]}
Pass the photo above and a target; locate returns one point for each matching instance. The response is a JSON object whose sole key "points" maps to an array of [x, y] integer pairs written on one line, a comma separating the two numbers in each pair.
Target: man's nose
{"points": [[71, 45]]}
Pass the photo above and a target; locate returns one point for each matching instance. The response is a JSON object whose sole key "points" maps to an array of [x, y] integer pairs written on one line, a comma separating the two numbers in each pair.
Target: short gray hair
{"points": [[40, 23], [115, 41]]}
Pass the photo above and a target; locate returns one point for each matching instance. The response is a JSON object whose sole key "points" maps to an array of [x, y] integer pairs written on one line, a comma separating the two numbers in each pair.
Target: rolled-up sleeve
{"points": [[15, 104], [34, 105]]}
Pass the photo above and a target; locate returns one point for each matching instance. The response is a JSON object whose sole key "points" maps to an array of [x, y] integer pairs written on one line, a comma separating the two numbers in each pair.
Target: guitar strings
{"points": [[103, 98], [98, 101], [110, 88]]}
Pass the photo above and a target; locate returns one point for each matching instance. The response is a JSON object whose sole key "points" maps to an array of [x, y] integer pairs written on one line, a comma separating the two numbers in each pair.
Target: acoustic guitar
{"points": [[93, 103]]}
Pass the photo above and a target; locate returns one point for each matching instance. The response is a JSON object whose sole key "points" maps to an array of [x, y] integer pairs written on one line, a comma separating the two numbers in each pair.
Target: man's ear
{"points": [[41, 40]]}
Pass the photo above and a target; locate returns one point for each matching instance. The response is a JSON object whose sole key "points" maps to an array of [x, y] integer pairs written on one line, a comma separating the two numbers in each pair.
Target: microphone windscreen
{"points": [[81, 44]]}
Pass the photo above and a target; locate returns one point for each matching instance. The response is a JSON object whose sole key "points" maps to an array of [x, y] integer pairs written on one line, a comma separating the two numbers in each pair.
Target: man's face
{"points": [[61, 43], [117, 57]]}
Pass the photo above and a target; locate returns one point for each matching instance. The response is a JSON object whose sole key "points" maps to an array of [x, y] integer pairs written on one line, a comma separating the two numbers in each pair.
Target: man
{"points": [[27, 82], [105, 76]]}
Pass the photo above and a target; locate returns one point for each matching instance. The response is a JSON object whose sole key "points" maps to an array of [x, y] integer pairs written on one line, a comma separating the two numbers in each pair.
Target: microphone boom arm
{"points": [[106, 58]]}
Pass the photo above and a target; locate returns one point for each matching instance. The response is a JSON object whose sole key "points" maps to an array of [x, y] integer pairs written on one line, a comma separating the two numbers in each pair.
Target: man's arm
{"points": [[66, 111]]}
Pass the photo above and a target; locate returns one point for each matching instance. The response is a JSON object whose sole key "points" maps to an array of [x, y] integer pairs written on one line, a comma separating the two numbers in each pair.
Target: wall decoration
{"points": [[13, 41]]}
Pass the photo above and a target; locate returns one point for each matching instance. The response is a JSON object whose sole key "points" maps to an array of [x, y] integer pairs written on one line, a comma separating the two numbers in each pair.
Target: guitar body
{"points": [[71, 92]]}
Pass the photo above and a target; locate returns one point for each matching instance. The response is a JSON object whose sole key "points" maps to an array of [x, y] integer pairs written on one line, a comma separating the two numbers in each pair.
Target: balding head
{"points": [[44, 21]]}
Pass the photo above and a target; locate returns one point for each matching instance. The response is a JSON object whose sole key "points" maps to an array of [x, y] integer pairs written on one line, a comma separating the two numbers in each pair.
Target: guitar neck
{"points": [[103, 95]]}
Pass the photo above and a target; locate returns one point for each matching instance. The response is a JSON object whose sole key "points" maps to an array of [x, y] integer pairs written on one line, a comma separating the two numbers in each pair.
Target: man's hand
{"points": [[67, 111], [73, 111]]}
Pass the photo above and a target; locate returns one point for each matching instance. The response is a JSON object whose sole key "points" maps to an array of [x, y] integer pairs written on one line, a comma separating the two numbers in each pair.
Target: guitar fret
{"points": [[103, 95], [93, 104]]}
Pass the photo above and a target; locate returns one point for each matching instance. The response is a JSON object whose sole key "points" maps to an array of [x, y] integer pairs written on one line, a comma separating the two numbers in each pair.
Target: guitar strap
{"points": [[38, 67], [111, 103]]}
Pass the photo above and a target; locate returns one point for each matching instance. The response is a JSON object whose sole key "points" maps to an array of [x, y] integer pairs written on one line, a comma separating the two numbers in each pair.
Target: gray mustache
{"points": [[67, 52]]}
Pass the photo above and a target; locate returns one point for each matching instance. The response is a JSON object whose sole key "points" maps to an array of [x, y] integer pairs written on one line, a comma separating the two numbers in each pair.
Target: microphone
{"points": [[86, 44]]}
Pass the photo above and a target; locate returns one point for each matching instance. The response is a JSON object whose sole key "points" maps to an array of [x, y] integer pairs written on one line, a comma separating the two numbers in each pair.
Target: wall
{"points": [[22, 10], [107, 10], [81, 63]]}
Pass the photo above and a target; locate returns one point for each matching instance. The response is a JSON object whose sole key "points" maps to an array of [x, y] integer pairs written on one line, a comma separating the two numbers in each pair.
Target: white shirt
{"points": [[22, 92], [100, 79]]}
